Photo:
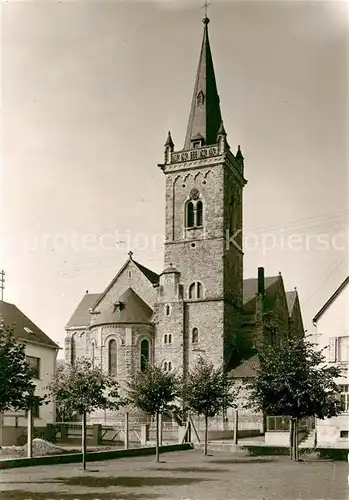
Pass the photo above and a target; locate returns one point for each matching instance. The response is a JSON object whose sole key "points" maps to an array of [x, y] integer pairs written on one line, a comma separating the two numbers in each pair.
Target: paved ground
{"points": [[181, 475]]}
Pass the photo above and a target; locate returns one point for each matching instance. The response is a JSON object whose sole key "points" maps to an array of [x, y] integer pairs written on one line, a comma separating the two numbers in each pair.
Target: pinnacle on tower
{"points": [[205, 114]]}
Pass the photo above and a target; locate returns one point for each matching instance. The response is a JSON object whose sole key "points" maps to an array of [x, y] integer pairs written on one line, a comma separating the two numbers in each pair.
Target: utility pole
{"points": [[2, 281]]}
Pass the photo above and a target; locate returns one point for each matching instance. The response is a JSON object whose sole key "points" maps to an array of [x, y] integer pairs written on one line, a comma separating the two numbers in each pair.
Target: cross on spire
{"points": [[205, 6]]}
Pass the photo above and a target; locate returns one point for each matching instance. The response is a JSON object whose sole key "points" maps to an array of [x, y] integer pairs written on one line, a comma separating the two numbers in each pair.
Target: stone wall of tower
{"points": [[197, 253]]}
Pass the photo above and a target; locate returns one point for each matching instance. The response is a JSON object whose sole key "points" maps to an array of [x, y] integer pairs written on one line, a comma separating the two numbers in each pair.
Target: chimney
{"points": [[261, 284]]}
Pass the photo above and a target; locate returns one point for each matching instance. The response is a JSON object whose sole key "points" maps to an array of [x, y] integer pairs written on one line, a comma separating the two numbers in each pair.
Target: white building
{"points": [[41, 353], [332, 325]]}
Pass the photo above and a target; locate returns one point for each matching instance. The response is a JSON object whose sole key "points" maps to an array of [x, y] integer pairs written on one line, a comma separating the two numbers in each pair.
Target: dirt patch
{"points": [[40, 448]]}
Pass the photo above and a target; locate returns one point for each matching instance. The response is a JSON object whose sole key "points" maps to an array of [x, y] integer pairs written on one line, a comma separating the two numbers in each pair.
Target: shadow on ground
{"points": [[243, 461], [195, 470], [29, 495], [127, 481]]}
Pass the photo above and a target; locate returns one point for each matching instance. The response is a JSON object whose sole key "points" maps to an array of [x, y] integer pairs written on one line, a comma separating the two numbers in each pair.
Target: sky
{"points": [[89, 92]]}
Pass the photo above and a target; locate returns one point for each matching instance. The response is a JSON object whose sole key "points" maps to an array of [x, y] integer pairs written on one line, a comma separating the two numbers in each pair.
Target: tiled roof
{"points": [[150, 275], [250, 289], [81, 315], [247, 368], [205, 118], [291, 297], [130, 308], [24, 328]]}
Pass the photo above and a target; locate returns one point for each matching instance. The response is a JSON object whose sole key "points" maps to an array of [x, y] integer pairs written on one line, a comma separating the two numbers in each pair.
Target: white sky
{"points": [[89, 91]]}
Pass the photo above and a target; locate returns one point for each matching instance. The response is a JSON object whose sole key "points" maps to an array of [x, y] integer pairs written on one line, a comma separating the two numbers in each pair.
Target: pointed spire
{"points": [[169, 141], [221, 130], [239, 154], [205, 114]]}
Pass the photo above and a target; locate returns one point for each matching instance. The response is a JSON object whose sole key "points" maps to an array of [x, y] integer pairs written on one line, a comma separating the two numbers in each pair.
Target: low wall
{"points": [[90, 457], [281, 438], [10, 435]]}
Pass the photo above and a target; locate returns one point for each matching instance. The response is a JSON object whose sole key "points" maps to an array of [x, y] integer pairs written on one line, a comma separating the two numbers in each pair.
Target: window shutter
{"points": [[332, 349]]}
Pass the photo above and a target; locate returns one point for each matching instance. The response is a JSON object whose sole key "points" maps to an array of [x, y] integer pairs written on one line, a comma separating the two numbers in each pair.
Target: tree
{"points": [[83, 388], [207, 391], [16, 385], [153, 391], [294, 381]]}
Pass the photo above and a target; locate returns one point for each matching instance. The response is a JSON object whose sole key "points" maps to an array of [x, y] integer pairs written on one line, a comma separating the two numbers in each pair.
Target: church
{"points": [[200, 304]]}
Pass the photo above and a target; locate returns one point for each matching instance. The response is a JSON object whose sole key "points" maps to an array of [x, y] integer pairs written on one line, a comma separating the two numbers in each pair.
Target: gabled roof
{"points": [[205, 114], [24, 328], [331, 299], [150, 275], [250, 289], [81, 316], [130, 308], [247, 369], [291, 297]]}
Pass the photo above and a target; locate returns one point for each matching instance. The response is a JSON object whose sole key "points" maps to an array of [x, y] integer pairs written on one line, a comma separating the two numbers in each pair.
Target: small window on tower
{"points": [[192, 291], [169, 366], [170, 339], [167, 310], [189, 216], [165, 338], [199, 290], [199, 212], [195, 336], [165, 366]]}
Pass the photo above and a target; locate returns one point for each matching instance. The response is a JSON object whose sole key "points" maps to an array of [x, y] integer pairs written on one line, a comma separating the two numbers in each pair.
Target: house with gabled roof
{"points": [[199, 305], [332, 335], [41, 353]]}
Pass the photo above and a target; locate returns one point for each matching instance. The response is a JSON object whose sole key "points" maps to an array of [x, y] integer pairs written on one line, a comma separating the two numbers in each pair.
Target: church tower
{"points": [[200, 292]]}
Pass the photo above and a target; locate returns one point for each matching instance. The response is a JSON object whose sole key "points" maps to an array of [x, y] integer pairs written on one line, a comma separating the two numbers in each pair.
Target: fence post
{"points": [[144, 434], [236, 426], [126, 431], [96, 432], [64, 432]]}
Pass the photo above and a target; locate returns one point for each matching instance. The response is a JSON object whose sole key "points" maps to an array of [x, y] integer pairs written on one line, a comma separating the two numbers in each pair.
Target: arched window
{"points": [[73, 350], [144, 354], [112, 352], [169, 366], [170, 339], [192, 290], [199, 213], [165, 338], [189, 216], [167, 310], [165, 366], [196, 290], [195, 335]]}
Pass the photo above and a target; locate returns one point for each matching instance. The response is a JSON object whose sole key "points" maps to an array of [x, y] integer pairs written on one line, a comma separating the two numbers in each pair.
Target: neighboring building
{"points": [[332, 334], [41, 353], [199, 304]]}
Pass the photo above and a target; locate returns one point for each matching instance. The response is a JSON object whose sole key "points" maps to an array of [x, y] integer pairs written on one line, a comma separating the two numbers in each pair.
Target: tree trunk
{"points": [[30, 433], [296, 451], [291, 438], [157, 438], [83, 440], [206, 433]]}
